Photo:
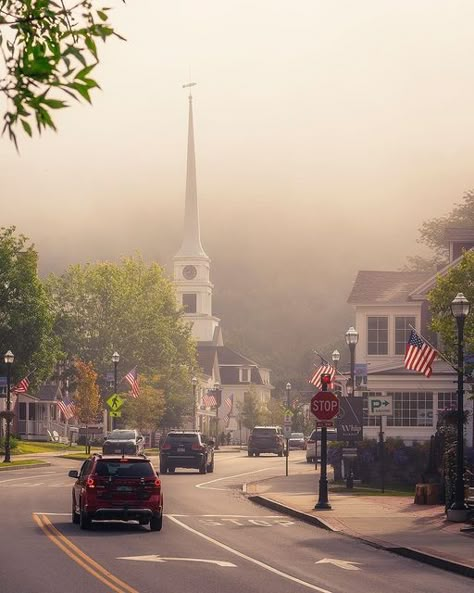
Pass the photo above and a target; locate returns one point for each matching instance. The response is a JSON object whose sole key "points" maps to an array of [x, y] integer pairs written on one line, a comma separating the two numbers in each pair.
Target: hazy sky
{"points": [[318, 123]]}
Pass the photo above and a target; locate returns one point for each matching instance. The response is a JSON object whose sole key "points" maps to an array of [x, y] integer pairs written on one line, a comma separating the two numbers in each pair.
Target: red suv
{"points": [[117, 487]]}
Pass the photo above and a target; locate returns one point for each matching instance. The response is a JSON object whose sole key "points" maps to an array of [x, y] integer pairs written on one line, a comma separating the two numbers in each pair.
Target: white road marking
{"points": [[158, 558], [345, 564], [52, 514], [220, 521], [249, 559], [233, 516], [26, 477], [204, 485]]}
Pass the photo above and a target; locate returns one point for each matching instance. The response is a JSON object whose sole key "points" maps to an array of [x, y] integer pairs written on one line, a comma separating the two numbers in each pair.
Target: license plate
{"points": [[124, 488], [181, 449]]}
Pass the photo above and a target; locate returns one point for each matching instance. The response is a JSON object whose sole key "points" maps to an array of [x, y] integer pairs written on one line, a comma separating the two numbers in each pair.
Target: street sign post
{"points": [[380, 405], [287, 431], [325, 406], [115, 402]]}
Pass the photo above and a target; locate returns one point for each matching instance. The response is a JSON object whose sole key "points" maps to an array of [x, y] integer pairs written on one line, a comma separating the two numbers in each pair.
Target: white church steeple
{"points": [[191, 264]]}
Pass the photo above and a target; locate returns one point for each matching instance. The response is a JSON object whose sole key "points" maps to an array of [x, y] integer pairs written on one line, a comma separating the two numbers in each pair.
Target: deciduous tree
{"points": [[26, 320], [458, 279], [49, 51], [129, 307]]}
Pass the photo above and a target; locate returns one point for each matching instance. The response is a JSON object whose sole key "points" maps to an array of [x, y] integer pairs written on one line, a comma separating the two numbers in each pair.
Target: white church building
{"points": [[222, 369]]}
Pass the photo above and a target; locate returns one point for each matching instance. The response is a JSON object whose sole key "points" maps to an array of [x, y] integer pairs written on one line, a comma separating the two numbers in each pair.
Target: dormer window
{"points": [[377, 335], [244, 375], [402, 333]]}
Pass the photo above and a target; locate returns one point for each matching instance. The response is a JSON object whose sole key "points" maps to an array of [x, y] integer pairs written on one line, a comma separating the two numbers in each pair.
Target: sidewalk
{"points": [[393, 523]]}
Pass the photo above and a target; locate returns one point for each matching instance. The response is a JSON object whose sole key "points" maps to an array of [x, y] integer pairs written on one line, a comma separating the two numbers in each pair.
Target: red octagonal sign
{"points": [[324, 405]]}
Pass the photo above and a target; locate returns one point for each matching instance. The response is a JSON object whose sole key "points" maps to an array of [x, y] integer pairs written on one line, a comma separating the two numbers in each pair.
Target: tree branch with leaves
{"points": [[49, 51]]}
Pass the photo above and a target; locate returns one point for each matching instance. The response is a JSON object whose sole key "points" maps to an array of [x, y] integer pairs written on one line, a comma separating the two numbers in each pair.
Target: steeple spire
{"points": [[191, 245]]}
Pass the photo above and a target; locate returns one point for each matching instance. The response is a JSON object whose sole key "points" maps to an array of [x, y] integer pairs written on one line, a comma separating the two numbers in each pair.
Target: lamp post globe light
{"points": [[460, 307], [115, 360], [8, 358], [194, 383]]}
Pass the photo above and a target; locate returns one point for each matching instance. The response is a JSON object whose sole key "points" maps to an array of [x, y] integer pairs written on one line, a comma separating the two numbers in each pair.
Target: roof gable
{"points": [[372, 287]]}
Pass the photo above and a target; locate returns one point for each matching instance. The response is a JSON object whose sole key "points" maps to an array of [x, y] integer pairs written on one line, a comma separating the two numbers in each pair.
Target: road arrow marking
{"points": [[345, 564], [158, 558]]}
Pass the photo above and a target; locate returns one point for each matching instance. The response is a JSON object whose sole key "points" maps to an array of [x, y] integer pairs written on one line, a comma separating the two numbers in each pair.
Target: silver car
{"points": [[123, 442], [313, 444]]}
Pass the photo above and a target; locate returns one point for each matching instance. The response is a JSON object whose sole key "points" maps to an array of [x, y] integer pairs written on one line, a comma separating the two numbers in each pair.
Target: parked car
{"points": [[313, 444], [111, 487], [188, 449], [266, 439], [128, 442], [297, 441]]}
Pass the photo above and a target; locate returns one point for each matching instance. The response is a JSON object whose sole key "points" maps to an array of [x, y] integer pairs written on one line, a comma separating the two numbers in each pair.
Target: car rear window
{"points": [[263, 431], [185, 436], [125, 469], [122, 435], [331, 435]]}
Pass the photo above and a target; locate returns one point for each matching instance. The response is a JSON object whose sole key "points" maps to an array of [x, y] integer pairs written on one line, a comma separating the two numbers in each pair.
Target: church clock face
{"points": [[189, 272]]}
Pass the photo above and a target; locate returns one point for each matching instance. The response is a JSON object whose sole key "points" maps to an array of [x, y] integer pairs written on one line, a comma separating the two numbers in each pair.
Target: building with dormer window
{"points": [[387, 305]]}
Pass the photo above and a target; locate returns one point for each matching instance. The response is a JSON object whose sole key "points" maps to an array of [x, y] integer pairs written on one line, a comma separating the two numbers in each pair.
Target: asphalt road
{"points": [[213, 541]]}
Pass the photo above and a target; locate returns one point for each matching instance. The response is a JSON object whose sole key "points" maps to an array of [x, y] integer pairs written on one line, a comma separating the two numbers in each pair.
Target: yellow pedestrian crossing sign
{"points": [[115, 414], [115, 402]]}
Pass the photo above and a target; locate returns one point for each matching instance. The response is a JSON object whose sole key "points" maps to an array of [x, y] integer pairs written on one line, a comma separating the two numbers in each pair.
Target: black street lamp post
{"points": [[352, 337], [194, 383], [288, 391], [458, 512], [9, 358], [115, 360], [217, 396]]}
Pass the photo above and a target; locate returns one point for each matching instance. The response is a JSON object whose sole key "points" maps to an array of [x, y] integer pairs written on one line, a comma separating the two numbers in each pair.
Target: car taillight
{"points": [[166, 447], [157, 485], [90, 483], [197, 447]]}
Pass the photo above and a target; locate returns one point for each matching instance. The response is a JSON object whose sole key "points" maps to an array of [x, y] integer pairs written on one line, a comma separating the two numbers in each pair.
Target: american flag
{"points": [[67, 407], [209, 401], [132, 379], [324, 369], [21, 386], [419, 355], [229, 403]]}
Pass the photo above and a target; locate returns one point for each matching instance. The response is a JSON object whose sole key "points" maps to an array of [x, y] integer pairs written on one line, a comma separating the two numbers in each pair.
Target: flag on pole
{"points": [[21, 386], [132, 379], [67, 407], [229, 404], [324, 369], [419, 355], [209, 401]]}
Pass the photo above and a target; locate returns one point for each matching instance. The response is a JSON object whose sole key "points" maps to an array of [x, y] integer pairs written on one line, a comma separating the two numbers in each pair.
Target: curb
{"points": [[26, 466], [412, 553]]}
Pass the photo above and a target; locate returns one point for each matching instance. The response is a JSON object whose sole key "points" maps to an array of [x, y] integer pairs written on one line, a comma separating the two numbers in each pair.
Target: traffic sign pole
{"points": [[323, 501]]}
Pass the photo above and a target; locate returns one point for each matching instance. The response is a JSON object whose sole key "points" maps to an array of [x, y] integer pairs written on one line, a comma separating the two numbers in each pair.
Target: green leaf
{"points": [[101, 14], [27, 127], [55, 103], [85, 71]]}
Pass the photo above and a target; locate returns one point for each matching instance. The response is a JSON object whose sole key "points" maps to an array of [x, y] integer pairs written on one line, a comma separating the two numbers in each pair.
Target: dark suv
{"points": [[266, 439], [123, 441], [110, 487], [186, 448]]}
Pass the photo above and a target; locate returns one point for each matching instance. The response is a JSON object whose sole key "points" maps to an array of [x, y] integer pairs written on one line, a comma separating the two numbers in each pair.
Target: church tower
{"points": [[191, 264]]}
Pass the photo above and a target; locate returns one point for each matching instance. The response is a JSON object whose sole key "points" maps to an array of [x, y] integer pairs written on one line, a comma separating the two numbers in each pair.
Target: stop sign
{"points": [[324, 405]]}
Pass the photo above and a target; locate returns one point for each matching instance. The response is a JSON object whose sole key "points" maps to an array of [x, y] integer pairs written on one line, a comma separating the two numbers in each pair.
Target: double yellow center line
{"points": [[85, 561]]}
